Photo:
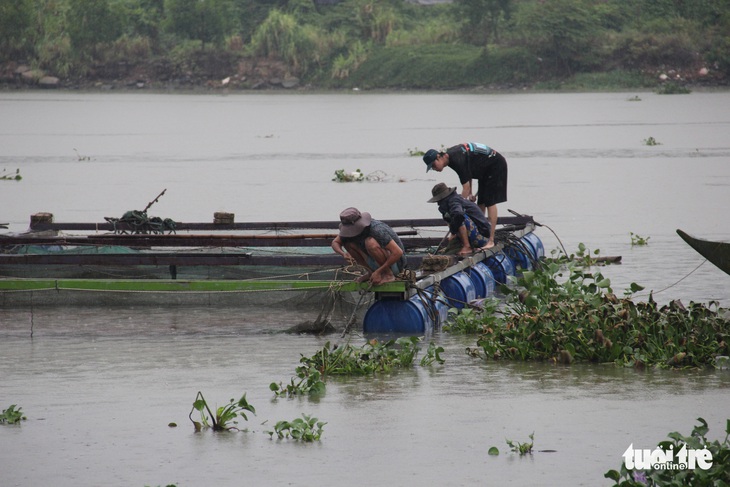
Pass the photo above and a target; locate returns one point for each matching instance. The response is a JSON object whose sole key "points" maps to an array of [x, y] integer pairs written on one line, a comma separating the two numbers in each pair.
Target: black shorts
{"points": [[493, 188]]}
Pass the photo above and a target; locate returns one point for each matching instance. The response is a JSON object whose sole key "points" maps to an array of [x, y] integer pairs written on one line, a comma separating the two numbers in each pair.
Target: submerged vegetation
{"points": [[566, 312], [396, 44]]}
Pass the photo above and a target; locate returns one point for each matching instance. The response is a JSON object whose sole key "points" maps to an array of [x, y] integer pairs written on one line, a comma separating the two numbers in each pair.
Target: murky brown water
{"points": [[101, 384]]}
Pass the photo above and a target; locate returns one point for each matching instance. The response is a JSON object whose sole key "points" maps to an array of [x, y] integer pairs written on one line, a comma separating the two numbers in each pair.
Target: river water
{"points": [[101, 384]]}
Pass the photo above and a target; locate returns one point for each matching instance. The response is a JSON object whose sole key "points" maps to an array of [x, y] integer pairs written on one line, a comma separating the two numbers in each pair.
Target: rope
{"points": [[354, 311], [672, 285]]}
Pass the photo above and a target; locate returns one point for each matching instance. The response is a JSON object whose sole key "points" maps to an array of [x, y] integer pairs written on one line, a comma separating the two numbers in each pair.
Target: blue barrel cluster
{"points": [[526, 251], [421, 313]]}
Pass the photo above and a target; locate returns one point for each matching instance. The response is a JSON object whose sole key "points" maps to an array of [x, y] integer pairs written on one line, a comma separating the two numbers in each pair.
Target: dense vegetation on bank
{"points": [[385, 44]]}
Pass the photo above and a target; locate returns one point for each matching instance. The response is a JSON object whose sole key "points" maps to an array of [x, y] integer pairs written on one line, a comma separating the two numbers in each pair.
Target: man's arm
{"points": [[339, 249]]}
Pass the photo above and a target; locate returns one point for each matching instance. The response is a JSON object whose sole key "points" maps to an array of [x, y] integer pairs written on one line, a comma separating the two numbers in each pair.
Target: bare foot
{"points": [[488, 246], [387, 278], [465, 252]]}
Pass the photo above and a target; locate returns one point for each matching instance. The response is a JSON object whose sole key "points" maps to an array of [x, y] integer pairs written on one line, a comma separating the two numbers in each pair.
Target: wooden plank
{"points": [[147, 241], [275, 226], [234, 226], [181, 259]]}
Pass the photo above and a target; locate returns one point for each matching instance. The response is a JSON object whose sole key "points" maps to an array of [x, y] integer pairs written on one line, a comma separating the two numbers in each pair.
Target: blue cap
{"points": [[429, 157]]}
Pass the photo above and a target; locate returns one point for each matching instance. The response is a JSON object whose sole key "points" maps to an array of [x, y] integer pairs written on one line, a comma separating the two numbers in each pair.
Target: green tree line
{"points": [[372, 43]]}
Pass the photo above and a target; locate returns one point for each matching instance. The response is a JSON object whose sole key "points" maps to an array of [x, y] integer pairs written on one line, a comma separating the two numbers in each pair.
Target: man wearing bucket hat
{"points": [[467, 225], [475, 161], [370, 243]]}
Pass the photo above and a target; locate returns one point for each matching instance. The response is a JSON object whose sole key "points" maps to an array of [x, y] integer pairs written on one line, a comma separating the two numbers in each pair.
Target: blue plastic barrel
{"points": [[522, 254], [482, 278], [536, 244], [396, 316], [458, 289], [436, 302], [501, 267]]}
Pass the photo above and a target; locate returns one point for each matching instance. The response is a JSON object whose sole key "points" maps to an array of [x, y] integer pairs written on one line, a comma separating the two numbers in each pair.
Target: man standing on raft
{"points": [[372, 244], [475, 161]]}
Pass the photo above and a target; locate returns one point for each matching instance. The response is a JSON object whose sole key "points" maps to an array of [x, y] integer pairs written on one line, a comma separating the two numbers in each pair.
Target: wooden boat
{"points": [[280, 265], [716, 252]]}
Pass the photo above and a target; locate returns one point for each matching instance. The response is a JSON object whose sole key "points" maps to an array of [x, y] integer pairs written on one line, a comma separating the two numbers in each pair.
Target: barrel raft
{"points": [[458, 286]]}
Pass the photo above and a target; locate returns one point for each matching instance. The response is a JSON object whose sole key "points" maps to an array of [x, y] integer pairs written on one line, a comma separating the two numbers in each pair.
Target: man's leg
{"points": [[380, 256], [492, 217], [476, 239]]}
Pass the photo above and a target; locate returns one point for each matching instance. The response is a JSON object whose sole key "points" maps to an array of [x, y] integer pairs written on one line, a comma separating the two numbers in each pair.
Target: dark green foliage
{"points": [[483, 19], [565, 312], [566, 34], [15, 24], [90, 22], [386, 44], [430, 66], [207, 21]]}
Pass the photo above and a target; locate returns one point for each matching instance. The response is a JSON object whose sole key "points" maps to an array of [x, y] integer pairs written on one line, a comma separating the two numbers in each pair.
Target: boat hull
{"points": [[716, 252]]}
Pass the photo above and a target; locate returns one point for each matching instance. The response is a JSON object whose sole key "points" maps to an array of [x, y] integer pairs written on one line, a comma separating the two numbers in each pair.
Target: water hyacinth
{"points": [[564, 313]]}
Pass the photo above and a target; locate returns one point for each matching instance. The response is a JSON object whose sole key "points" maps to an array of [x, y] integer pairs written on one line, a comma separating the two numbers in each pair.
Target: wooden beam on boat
{"points": [[182, 259], [275, 226], [192, 240]]}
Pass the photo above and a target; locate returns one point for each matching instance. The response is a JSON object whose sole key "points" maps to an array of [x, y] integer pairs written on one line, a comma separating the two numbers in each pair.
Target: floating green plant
{"points": [[371, 358], [306, 428], [415, 152], [565, 313], [651, 141], [12, 415], [348, 177], [309, 383], [225, 417], [634, 98], [4, 176], [638, 240], [433, 354], [469, 321], [522, 448], [677, 472]]}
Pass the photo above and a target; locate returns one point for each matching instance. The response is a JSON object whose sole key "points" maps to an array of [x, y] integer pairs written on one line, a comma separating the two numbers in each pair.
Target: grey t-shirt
{"points": [[383, 234]]}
